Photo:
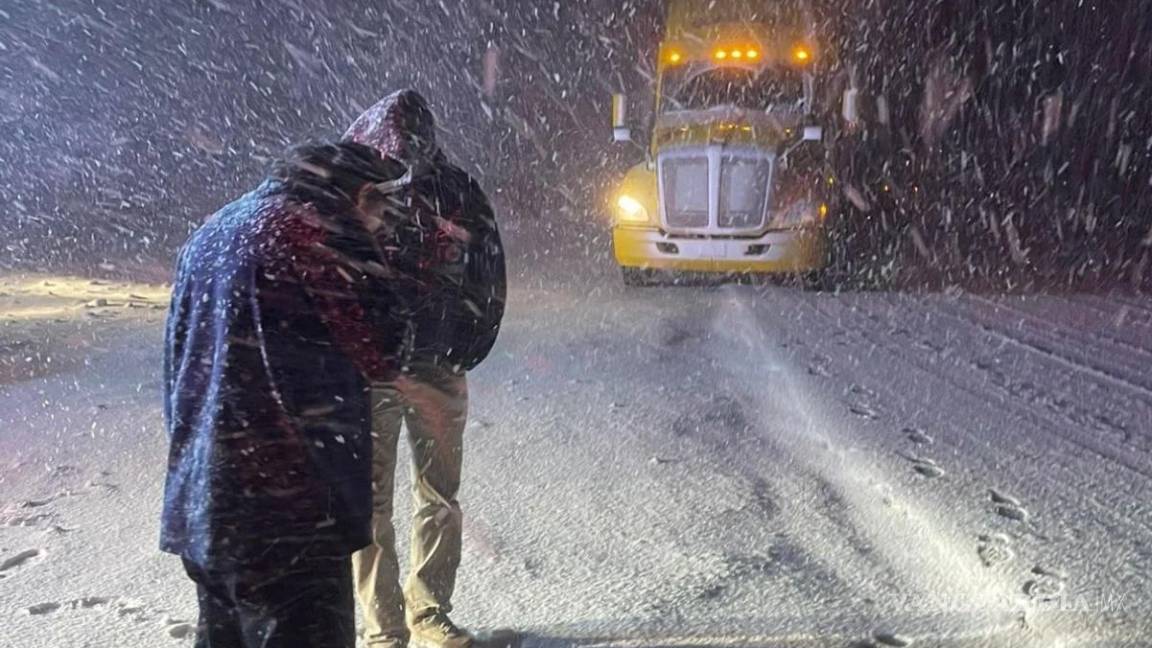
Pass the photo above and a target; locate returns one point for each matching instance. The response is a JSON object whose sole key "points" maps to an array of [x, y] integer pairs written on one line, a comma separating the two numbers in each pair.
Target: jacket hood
{"points": [[401, 126]]}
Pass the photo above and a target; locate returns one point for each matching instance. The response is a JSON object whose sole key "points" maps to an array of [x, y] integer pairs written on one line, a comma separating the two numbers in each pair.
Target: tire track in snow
{"points": [[1070, 403], [1127, 315], [721, 424], [1074, 413], [939, 564], [1040, 417], [1068, 487], [1107, 344], [1010, 406], [1040, 588], [1033, 343], [1142, 305]]}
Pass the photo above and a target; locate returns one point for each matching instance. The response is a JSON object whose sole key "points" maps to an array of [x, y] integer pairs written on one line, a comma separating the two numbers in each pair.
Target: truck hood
{"points": [[727, 126]]}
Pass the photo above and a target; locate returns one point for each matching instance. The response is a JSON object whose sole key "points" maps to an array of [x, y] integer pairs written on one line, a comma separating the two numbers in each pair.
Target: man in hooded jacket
{"points": [[282, 315], [454, 253]]}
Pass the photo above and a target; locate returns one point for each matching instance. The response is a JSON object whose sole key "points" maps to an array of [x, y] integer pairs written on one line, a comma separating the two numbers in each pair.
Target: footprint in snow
{"points": [[8, 520], [106, 487], [85, 603], [499, 638], [861, 390], [1014, 513], [27, 504], [918, 436], [19, 561], [64, 470], [181, 630], [864, 411], [925, 467], [929, 470], [129, 607], [820, 366], [40, 609], [1007, 506], [883, 639], [674, 337], [1046, 585], [995, 550], [998, 497], [929, 345]]}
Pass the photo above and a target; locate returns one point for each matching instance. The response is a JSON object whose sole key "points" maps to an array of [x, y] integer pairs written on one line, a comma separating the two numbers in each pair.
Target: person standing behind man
{"points": [[454, 252], [282, 315]]}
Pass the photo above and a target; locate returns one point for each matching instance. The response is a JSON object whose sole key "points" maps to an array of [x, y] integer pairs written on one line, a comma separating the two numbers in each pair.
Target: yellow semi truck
{"points": [[735, 179]]}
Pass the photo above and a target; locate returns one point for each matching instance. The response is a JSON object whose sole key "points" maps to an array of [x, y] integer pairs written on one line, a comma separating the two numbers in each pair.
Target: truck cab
{"points": [[735, 178]]}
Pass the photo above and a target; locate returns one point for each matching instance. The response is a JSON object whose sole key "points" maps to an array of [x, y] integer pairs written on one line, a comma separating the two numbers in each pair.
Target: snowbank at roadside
{"points": [[48, 323]]}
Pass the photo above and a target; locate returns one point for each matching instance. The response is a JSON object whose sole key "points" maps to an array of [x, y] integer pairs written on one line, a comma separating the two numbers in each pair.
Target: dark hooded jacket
{"points": [[279, 320], [453, 248]]}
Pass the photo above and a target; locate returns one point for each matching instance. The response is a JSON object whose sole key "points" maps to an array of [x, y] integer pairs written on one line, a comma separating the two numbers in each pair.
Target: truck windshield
{"points": [[766, 89]]}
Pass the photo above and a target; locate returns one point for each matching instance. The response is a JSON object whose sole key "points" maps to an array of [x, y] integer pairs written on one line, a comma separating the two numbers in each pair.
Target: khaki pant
{"points": [[433, 403]]}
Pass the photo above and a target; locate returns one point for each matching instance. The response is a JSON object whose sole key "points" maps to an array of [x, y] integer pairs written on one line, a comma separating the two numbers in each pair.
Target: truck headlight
{"points": [[801, 212], [629, 210]]}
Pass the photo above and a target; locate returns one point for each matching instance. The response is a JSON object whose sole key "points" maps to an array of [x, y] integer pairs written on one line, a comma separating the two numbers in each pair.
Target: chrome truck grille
{"points": [[720, 192], [745, 184], [686, 199]]}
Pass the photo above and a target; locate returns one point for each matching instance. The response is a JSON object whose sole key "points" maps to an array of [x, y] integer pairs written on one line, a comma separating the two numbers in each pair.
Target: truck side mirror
{"points": [[850, 108], [620, 130], [813, 134]]}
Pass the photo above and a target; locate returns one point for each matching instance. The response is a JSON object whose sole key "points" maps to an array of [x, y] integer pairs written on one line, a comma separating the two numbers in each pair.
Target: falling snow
{"points": [[942, 437]]}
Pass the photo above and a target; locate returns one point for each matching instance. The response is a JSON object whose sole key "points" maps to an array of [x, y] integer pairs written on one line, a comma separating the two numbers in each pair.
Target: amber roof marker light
{"points": [[736, 54], [801, 54]]}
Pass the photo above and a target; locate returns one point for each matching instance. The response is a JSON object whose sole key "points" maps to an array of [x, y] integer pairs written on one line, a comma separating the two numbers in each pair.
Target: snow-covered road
{"points": [[705, 466]]}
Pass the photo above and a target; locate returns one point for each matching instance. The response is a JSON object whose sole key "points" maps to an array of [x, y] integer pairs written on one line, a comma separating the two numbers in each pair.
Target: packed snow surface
{"points": [[700, 465]]}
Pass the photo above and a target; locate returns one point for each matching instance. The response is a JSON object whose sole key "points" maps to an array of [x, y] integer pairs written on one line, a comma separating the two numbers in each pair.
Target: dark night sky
{"points": [[123, 122]]}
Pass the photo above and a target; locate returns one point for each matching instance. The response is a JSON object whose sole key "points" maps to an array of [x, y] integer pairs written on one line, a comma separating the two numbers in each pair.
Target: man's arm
{"points": [[175, 334], [489, 287]]}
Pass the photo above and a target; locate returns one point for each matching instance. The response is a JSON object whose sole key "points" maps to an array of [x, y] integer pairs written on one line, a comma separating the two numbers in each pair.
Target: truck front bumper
{"points": [[781, 251]]}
